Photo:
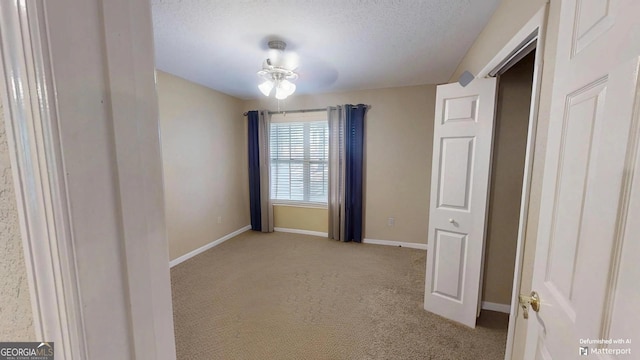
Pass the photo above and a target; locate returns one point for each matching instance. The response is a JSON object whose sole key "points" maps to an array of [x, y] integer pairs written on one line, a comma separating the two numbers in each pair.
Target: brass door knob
{"points": [[532, 300]]}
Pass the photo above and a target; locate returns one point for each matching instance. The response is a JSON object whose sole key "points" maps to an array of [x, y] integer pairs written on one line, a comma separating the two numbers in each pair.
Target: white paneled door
{"points": [[463, 133], [587, 253]]}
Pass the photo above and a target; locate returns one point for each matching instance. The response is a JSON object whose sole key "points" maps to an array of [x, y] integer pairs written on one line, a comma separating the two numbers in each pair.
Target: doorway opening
{"points": [[507, 174], [508, 188]]}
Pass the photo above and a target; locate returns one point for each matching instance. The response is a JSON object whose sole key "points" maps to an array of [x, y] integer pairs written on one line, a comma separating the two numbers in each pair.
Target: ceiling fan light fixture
{"points": [[276, 76], [266, 87], [281, 94], [284, 89], [287, 86]]}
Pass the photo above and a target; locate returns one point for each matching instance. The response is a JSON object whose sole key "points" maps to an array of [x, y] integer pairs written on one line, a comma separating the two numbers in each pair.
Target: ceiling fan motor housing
{"points": [[277, 45]]}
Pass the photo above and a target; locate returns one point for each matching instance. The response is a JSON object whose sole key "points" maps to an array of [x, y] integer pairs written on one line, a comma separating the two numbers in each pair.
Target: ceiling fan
{"points": [[276, 73]]}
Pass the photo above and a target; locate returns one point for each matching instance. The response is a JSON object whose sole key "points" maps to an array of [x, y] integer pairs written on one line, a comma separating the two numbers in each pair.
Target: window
{"points": [[299, 151]]}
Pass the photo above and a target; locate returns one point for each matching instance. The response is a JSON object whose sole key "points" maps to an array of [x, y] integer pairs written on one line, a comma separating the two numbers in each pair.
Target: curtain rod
{"points": [[302, 110]]}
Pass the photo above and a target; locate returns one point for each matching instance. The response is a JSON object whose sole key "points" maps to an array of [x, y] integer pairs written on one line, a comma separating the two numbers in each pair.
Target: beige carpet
{"points": [[288, 296]]}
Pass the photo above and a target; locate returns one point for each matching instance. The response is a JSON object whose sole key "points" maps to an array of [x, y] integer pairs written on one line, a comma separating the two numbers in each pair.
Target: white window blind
{"points": [[299, 157]]}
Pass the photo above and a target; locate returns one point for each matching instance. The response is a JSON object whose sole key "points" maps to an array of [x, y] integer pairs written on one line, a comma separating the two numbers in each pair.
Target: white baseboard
{"points": [[396, 243], [204, 248], [303, 232], [503, 308]]}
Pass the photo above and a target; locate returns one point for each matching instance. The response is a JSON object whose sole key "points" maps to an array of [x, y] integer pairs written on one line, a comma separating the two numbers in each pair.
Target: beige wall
{"points": [[509, 17], [16, 319], [301, 218], [512, 120], [399, 137], [205, 163]]}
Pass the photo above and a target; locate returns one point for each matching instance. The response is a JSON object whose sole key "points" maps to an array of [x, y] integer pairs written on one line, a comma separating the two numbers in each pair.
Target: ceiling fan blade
{"points": [[318, 72]]}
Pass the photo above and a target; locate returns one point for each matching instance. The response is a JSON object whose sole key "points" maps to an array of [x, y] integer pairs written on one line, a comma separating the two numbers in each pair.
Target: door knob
{"points": [[452, 221], [532, 300]]}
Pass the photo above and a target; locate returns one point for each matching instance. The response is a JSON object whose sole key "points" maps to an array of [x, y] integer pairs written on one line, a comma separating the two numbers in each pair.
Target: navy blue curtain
{"points": [[354, 167], [254, 171]]}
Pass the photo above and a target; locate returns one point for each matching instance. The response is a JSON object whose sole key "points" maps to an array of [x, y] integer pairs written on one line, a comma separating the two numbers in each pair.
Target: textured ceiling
{"points": [[338, 45]]}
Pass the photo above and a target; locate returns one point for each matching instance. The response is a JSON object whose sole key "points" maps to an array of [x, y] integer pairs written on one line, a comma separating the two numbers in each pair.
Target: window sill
{"points": [[303, 204]]}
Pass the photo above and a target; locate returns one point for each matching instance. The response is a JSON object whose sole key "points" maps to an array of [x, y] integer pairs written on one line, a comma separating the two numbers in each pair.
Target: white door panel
{"points": [[463, 133], [587, 194], [449, 252], [594, 17], [455, 177]]}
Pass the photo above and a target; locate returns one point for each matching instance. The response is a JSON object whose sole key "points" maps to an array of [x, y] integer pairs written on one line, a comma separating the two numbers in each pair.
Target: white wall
{"points": [[16, 318], [204, 150]]}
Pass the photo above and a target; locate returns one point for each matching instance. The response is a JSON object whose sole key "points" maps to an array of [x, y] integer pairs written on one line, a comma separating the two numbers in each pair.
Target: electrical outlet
{"points": [[219, 219], [391, 221]]}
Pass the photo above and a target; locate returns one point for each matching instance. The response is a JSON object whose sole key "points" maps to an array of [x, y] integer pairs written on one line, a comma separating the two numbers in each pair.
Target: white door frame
{"points": [[535, 25], [39, 184], [126, 301]]}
